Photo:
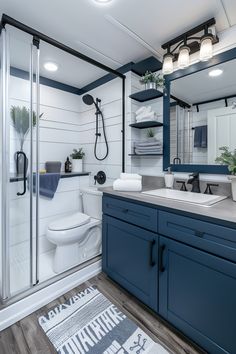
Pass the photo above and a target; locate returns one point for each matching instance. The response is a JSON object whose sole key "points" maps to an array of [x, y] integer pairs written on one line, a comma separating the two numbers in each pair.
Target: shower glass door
{"points": [[19, 162]]}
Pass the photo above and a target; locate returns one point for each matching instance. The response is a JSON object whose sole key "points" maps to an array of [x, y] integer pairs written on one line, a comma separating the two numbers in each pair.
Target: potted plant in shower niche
{"points": [[229, 158], [77, 160], [20, 117], [152, 80]]}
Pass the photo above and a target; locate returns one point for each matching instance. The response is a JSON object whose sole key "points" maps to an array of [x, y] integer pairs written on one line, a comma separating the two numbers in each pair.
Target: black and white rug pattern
{"points": [[89, 323]]}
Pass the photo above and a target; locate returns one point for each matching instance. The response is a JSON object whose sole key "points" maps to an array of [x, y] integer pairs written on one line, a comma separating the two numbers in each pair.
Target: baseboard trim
{"points": [[15, 312]]}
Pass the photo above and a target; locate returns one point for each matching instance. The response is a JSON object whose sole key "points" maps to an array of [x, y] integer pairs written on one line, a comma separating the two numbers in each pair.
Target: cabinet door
{"points": [[130, 258], [198, 295]]}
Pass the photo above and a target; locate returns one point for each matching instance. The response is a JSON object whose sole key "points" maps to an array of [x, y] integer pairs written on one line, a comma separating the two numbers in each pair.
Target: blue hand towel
{"points": [[200, 136], [48, 184]]}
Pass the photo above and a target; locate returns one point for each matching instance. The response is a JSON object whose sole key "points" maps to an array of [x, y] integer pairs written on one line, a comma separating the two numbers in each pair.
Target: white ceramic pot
{"points": [[77, 165], [233, 186]]}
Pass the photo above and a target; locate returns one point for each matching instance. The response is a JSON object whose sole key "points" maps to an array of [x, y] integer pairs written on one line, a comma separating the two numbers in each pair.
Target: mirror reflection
{"points": [[204, 119]]}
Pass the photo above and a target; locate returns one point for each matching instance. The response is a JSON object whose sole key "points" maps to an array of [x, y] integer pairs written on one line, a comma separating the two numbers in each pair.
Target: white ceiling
{"points": [[116, 33]]}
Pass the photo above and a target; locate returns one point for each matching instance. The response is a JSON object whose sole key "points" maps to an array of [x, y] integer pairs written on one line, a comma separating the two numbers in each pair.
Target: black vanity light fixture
{"points": [[201, 38]]}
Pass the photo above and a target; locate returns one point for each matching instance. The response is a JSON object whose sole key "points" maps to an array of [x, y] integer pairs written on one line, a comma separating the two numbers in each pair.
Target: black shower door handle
{"points": [[25, 167]]}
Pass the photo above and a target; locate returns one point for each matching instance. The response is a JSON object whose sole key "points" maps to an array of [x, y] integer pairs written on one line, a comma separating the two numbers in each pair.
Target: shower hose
{"points": [[98, 134]]}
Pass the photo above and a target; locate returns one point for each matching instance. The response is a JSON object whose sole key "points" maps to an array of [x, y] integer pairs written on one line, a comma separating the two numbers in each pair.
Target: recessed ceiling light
{"points": [[103, 1], [215, 72], [50, 66]]}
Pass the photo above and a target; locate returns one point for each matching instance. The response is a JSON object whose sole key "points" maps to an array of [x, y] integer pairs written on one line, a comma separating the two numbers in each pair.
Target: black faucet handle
{"points": [[183, 186], [208, 188]]}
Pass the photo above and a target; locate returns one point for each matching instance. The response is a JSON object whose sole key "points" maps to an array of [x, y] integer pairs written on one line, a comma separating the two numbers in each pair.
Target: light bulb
{"points": [[206, 49], [215, 72], [168, 66], [183, 58], [50, 66]]}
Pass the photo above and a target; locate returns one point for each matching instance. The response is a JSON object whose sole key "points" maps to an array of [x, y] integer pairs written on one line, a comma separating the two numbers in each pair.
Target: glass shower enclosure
{"points": [[20, 165], [20, 155]]}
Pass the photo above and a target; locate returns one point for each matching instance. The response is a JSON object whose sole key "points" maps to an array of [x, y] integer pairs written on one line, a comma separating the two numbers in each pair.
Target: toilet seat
{"points": [[70, 222]]}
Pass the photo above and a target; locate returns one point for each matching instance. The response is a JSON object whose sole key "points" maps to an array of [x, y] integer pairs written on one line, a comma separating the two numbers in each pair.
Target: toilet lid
{"points": [[69, 222]]}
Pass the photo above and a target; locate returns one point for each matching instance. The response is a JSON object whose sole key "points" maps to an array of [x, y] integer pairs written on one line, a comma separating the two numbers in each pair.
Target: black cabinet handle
{"points": [[152, 244], [162, 249], [24, 176]]}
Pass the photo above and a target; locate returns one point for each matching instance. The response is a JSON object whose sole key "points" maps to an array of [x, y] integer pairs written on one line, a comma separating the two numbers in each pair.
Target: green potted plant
{"points": [[152, 80], [20, 117], [229, 158], [77, 160], [150, 133]]}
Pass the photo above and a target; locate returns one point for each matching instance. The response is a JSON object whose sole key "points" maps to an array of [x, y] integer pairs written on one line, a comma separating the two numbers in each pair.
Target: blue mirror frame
{"points": [[212, 169]]}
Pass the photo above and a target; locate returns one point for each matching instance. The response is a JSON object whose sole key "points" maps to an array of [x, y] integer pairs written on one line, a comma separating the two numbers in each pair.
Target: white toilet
{"points": [[78, 237]]}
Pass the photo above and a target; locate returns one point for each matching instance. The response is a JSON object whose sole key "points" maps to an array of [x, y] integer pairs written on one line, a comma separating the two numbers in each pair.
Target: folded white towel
{"points": [[143, 109], [140, 110], [147, 119], [127, 185], [132, 176], [147, 143], [145, 116]]}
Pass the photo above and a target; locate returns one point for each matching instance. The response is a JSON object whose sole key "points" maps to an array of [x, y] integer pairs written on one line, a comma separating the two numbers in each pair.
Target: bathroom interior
{"points": [[118, 177]]}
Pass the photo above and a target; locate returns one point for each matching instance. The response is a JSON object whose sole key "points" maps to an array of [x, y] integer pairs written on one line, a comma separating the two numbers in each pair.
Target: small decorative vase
{"points": [[233, 186], [150, 85], [77, 165]]}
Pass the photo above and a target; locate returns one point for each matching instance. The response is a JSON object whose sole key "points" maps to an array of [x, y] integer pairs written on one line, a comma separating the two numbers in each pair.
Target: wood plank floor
{"points": [[26, 336]]}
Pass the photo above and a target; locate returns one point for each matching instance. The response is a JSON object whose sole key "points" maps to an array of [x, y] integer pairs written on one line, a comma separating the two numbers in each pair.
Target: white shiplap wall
{"points": [[111, 105], [59, 134]]}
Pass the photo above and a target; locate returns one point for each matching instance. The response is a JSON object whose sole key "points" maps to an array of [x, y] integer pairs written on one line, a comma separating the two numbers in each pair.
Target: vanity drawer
{"points": [[131, 212], [210, 237]]}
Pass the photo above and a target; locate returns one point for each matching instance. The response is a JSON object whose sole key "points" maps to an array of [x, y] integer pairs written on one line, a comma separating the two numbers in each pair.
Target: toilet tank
{"points": [[92, 202]]}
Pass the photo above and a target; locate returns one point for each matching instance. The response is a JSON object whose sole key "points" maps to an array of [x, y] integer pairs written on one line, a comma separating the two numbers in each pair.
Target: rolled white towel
{"points": [[132, 176], [146, 115], [143, 109], [127, 185], [140, 110]]}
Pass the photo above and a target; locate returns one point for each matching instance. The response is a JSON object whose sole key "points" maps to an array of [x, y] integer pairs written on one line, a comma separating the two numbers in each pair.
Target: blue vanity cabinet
{"points": [[197, 294], [130, 257]]}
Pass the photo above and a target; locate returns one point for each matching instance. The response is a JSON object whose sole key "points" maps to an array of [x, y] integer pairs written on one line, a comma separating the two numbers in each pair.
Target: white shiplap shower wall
{"points": [[59, 134], [111, 97]]}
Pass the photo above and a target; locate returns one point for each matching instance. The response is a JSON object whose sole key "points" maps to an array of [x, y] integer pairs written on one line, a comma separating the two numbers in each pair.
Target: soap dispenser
{"points": [[169, 178], [68, 165]]}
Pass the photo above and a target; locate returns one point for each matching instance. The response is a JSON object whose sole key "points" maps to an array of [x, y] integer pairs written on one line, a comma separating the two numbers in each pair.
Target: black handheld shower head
{"points": [[88, 99]]}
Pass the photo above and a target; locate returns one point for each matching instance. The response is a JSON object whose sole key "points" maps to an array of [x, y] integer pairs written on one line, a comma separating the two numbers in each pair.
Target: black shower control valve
{"points": [[100, 177]]}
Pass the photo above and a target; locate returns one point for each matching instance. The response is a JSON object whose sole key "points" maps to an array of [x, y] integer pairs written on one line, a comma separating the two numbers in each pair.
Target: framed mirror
{"points": [[200, 115]]}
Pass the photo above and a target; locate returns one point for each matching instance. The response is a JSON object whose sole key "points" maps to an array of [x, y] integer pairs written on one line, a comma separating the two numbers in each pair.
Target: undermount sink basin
{"points": [[187, 197]]}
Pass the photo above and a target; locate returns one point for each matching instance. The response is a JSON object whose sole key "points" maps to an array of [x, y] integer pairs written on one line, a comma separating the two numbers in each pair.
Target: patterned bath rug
{"points": [[89, 323]]}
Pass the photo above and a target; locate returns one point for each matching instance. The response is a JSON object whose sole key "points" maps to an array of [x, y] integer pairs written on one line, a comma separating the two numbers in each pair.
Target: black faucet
{"points": [[195, 182]]}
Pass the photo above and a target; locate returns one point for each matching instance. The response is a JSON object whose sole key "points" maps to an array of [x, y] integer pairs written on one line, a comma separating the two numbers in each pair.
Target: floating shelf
{"points": [[147, 124], [137, 155], [146, 95]]}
